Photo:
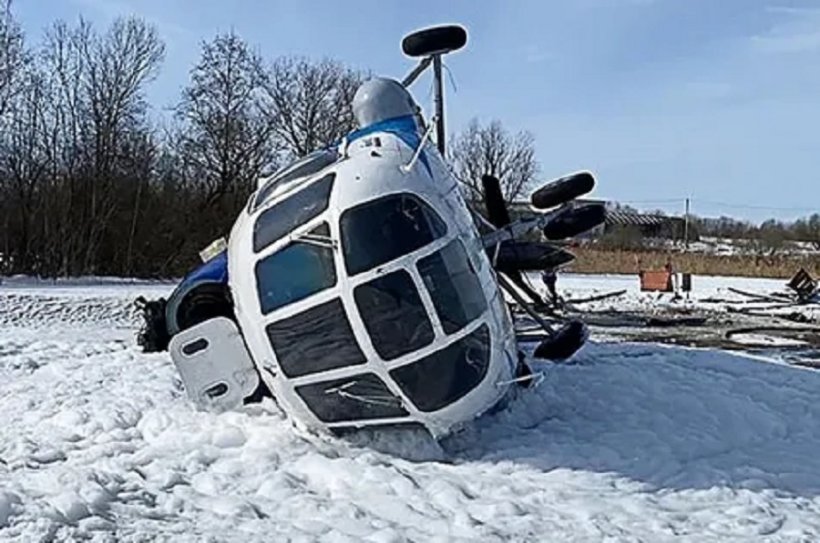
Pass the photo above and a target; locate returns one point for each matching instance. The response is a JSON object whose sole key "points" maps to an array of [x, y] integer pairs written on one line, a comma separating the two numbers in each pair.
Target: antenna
{"points": [[431, 44]]}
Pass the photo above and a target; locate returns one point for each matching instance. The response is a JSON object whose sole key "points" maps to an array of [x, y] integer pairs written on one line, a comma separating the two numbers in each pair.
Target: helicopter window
{"points": [[453, 286], [445, 376], [393, 315], [385, 229], [299, 270], [282, 218], [315, 340], [362, 396], [304, 167]]}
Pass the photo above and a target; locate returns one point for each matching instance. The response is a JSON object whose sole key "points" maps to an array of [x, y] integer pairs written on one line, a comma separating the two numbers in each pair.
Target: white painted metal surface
{"points": [[216, 368], [366, 172]]}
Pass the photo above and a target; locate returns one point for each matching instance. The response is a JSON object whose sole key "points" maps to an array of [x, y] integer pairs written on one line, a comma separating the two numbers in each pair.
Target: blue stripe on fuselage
{"points": [[403, 127]]}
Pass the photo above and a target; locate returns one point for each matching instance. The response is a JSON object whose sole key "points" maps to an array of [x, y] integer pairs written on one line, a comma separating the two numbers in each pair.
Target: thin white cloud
{"points": [[788, 43], [799, 33]]}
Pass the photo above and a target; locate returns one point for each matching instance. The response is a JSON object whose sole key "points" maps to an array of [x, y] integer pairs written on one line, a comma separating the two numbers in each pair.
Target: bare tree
{"points": [[120, 63], [12, 54], [86, 184], [225, 135], [310, 102], [63, 65], [24, 164], [492, 150]]}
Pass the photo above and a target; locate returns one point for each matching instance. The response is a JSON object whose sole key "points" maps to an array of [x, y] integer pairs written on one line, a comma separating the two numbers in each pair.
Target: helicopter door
{"points": [[215, 365]]}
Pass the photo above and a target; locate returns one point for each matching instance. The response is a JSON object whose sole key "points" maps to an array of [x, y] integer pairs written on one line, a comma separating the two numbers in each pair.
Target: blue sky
{"points": [[718, 100]]}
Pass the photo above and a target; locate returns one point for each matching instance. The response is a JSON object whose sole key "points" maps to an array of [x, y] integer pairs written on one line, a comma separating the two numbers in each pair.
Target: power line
{"points": [[666, 201], [698, 201], [749, 206]]}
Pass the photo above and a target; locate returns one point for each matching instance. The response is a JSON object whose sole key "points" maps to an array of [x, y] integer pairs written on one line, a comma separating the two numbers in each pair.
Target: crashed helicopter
{"points": [[359, 288]]}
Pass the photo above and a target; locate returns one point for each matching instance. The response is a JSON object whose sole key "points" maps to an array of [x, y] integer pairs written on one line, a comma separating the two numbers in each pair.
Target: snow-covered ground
{"points": [[629, 443], [727, 246], [706, 291]]}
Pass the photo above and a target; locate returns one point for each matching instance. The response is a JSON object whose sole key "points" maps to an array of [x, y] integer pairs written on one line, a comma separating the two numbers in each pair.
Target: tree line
{"points": [[772, 232], [91, 183]]}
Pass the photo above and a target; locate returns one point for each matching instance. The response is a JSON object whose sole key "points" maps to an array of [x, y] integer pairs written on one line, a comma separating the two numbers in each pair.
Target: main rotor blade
{"points": [[497, 211]]}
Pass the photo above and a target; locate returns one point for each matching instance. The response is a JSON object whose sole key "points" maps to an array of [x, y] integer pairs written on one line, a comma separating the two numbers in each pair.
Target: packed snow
{"points": [[631, 442]]}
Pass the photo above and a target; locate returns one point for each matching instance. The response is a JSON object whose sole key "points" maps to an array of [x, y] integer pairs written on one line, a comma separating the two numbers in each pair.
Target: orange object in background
{"points": [[656, 281]]}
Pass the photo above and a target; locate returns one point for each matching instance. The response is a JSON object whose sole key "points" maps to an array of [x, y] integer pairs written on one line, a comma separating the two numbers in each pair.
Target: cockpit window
{"points": [[385, 229], [317, 339], [453, 285], [360, 397], [447, 375], [282, 218], [303, 167], [393, 314], [300, 269]]}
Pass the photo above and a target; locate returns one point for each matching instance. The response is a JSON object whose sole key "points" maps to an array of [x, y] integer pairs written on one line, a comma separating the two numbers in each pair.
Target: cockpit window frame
{"points": [[306, 166], [318, 250], [361, 241], [302, 206], [453, 285]]}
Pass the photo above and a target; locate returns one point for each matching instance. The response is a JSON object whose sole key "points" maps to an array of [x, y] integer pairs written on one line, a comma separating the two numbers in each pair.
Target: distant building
{"points": [[651, 225]]}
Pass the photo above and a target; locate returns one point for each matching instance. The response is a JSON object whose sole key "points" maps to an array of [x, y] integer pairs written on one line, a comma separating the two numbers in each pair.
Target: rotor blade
{"points": [[508, 288], [564, 343], [529, 256], [494, 200], [560, 344], [575, 221], [562, 190]]}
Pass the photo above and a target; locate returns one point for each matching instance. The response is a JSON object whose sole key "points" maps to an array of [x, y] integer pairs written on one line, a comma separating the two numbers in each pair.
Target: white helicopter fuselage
{"points": [[364, 294]]}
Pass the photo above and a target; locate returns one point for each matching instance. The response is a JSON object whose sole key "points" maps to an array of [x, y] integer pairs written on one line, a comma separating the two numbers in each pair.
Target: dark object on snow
{"points": [[564, 343], [550, 279], [665, 322], [153, 337], [774, 297], [804, 285], [686, 282], [597, 298]]}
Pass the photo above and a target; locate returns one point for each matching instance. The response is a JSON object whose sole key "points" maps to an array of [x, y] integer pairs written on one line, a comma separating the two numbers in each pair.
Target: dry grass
{"points": [[620, 261]]}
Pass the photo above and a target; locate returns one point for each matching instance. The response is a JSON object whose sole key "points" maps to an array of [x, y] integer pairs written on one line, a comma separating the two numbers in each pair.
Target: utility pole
{"points": [[686, 227]]}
